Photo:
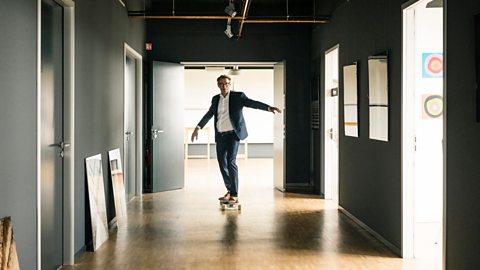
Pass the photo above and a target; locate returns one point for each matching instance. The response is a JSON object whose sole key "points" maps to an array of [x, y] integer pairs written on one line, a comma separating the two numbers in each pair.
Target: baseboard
{"points": [[79, 253], [377, 236]]}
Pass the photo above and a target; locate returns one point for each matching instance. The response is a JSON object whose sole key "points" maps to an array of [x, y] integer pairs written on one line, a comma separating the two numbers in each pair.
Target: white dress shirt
{"points": [[223, 117]]}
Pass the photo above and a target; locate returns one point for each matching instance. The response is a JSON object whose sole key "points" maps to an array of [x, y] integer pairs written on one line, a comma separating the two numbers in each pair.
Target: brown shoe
{"points": [[225, 197], [233, 199]]}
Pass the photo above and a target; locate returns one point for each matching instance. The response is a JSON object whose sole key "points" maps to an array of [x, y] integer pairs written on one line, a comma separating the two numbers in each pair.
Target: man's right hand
{"points": [[195, 134]]}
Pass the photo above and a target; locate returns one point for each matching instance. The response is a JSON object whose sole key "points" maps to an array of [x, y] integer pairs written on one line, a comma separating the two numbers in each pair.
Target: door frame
{"points": [[333, 194], [408, 144], [279, 126], [69, 131], [129, 51]]}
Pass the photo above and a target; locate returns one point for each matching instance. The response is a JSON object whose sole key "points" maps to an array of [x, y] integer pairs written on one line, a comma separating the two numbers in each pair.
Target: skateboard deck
{"points": [[230, 206]]}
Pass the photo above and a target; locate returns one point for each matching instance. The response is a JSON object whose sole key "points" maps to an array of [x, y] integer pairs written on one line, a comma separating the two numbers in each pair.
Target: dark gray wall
{"points": [[370, 171], [205, 41], [370, 188], [101, 28], [18, 121], [462, 135]]}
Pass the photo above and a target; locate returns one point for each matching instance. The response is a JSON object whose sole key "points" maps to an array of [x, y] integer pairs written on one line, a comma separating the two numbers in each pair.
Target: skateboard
{"points": [[225, 205]]}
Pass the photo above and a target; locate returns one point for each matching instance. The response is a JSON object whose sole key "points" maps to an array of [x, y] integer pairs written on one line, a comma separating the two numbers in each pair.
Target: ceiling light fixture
{"points": [[230, 9], [234, 71], [228, 31]]}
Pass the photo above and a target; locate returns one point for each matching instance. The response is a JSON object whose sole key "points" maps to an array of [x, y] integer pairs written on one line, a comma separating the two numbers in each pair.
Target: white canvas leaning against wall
{"points": [[118, 185], [96, 197]]}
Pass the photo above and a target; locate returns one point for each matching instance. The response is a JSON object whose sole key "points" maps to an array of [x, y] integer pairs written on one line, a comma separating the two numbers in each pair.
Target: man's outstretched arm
{"points": [[258, 105]]}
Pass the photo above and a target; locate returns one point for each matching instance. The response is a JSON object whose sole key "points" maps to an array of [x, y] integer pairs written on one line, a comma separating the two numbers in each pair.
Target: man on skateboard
{"points": [[230, 128]]}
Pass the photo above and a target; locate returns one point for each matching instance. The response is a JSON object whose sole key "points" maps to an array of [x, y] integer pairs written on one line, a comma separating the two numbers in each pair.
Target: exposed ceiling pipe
{"points": [[168, 17], [246, 7], [243, 19], [189, 17], [287, 21]]}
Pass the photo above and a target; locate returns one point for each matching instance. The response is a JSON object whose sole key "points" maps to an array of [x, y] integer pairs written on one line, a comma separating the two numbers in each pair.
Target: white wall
{"points": [[257, 84], [428, 130]]}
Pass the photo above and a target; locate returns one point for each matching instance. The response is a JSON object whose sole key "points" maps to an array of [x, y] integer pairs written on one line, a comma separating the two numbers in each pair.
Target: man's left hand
{"points": [[274, 109]]}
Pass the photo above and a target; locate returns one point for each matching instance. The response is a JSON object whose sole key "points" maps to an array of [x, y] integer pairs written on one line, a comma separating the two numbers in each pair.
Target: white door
{"points": [[167, 127], [331, 124], [279, 126], [423, 133]]}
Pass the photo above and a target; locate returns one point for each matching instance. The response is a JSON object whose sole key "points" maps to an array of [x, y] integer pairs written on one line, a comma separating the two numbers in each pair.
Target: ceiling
{"points": [[247, 11], [307, 10]]}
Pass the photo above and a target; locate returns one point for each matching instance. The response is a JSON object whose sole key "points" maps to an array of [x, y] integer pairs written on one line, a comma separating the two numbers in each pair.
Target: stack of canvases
{"points": [[8, 251]]}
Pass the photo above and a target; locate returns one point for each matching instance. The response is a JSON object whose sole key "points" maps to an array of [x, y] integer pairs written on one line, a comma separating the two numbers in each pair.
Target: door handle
{"points": [[155, 133], [128, 133], [330, 132], [62, 145]]}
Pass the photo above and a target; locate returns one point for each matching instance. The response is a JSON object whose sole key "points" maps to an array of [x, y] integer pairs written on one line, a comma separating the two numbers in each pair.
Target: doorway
{"points": [[133, 107], [331, 142], [422, 132], [55, 126], [262, 81]]}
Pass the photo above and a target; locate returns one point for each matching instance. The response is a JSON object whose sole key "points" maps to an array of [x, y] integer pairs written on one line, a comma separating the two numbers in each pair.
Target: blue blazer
{"points": [[237, 101]]}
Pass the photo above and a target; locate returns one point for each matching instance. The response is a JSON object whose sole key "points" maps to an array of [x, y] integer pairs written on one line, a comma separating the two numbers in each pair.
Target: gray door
{"points": [[279, 126], [51, 135], [168, 127], [129, 128]]}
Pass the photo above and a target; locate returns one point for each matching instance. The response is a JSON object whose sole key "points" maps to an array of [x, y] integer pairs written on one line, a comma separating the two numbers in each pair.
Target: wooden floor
{"points": [[185, 229]]}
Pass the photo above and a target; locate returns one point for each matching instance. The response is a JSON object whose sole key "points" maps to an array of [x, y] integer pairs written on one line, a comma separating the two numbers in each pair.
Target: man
{"points": [[229, 130]]}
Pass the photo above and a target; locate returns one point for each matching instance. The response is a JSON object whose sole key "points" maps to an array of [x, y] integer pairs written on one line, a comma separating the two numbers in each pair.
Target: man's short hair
{"points": [[223, 77]]}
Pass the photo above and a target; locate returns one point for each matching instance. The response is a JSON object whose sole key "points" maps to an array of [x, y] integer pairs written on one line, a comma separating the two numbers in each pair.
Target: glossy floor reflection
{"points": [[185, 229]]}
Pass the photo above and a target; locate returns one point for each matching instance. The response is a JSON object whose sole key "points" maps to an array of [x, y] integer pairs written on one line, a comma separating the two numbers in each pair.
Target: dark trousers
{"points": [[227, 148]]}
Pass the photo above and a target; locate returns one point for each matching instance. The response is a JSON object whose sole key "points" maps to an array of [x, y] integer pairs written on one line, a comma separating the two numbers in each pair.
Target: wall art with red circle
{"points": [[432, 65]]}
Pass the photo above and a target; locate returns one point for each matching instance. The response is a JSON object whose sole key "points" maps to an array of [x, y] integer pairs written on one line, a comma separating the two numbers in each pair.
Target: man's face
{"points": [[224, 85]]}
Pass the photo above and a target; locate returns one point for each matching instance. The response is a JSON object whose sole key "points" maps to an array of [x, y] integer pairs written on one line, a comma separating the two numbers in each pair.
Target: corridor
{"points": [[185, 229]]}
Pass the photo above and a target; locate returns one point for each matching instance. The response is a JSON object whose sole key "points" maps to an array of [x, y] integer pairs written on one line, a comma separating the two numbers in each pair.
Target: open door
{"points": [[167, 126], [129, 126], [331, 143], [52, 142], [279, 126], [422, 133]]}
